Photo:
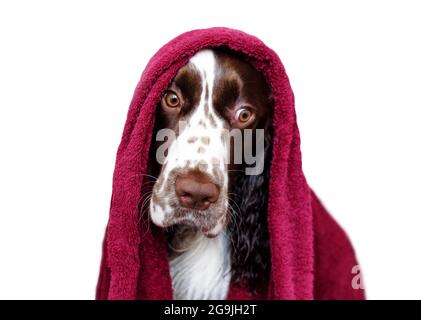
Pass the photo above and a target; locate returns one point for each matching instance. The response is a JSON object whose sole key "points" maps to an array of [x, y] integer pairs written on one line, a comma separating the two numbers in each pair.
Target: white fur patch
{"points": [[202, 271], [158, 216]]}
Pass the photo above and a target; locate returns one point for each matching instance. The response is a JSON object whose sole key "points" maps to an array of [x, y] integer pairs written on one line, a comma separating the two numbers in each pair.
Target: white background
{"points": [[67, 74]]}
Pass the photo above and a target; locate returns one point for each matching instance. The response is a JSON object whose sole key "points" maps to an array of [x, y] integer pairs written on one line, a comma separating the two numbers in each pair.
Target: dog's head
{"points": [[206, 123]]}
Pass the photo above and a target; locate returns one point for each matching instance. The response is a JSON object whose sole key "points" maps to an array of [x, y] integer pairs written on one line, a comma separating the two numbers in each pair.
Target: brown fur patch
{"points": [[206, 108], [202, 124], [205, 140], [212, 120], [192, 139], [206, 92]]}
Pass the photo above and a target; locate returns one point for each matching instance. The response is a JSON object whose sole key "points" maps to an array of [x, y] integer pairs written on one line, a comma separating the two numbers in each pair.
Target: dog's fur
{"points": [[227, 241]]}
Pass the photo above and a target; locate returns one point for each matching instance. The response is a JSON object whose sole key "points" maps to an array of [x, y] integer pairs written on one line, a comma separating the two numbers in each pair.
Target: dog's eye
{"points": [[171, 99], [244, 115]]}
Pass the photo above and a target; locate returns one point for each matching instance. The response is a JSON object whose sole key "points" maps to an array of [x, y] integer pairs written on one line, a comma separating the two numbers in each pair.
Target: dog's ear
{"points": [[250, 257]]}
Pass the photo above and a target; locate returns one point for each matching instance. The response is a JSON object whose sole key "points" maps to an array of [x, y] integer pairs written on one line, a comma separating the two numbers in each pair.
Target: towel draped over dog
{"points": [[311, 256]]}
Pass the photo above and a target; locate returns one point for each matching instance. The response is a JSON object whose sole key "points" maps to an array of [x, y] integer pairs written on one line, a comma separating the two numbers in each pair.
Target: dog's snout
{"points": [[196, 191]]}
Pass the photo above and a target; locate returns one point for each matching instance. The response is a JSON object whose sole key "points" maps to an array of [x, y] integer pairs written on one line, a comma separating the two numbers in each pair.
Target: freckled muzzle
{"points": [[193, 197]]}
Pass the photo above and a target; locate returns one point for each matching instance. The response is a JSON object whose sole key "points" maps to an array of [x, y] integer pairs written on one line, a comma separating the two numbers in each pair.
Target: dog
{"points": [[213, 213]]}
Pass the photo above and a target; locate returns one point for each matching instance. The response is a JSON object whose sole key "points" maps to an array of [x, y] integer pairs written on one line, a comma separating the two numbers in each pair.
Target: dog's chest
{"points": [[203, 270]]}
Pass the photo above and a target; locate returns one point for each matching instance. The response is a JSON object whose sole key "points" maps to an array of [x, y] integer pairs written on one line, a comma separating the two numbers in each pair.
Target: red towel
{"points": [[311, 256]]}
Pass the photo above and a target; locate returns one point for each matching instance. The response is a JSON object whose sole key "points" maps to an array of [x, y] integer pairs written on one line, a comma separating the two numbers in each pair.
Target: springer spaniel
{"points": [[210, 157]]}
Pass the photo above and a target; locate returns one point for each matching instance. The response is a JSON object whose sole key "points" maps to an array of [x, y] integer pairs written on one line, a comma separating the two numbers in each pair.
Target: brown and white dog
{"points": [[213, 211]]}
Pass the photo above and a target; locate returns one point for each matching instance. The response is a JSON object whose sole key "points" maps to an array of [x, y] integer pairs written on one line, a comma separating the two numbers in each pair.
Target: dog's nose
{"points": [[196, 191]]}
